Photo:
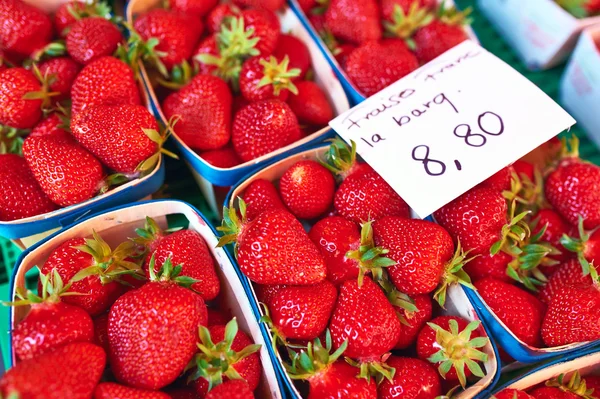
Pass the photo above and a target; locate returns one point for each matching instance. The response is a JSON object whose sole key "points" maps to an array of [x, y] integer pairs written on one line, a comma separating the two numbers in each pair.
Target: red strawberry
{"points": [[261, 195], [500, 180], [356, 22], [50, 322], [301, 312], [71, 371], [230, 354], [72, 11], [110, 390], [439, 36], [101, 331], [66, 171], [177, 34], [556, 228], [551, 393], [23, 28], [560, 388], [567, 321], [117, 135], [524, 169], [16, 110], [266, 28], [568, 273], [307, 189], [263, 127], [310, 104], [488, 265], [296, 51], [91, 38], [22, 197], [285, 256], [414, 379], [307, 5], [182, 393], [217, 317], [106, 81], [509, 393], [271, 5], [222, 158], [388, 6], [520, 311], [50, 126], [193, 7], [593, 382], [100, 290], [207, 46], [342, 52], [265, 78], [234, 389], [61, 73], [215, 17], [415, 320], [169, 315], [204, 110]]}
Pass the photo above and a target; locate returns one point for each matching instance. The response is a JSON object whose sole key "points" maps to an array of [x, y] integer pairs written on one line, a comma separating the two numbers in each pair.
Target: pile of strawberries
{"points": [[581, 8], [557, 388], [363, 284], [77, 105], [141, 321], [377, 42], [238, 86]]}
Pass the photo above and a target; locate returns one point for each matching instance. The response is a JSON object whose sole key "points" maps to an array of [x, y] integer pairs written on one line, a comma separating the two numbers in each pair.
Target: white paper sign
{"points": [[451, 124]]}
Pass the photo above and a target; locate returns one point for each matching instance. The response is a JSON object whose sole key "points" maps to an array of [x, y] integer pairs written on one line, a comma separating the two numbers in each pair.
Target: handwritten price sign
{"points": [[451, 124]]}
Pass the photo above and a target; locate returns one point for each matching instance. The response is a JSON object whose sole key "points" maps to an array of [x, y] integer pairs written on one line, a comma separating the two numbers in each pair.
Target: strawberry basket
{"points": [[457, 303], [117, 225], [207, 175]]}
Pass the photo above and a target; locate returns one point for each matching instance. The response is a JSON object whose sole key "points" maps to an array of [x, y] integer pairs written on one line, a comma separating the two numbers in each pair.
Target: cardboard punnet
{"points": [[117, 225], [541, 32]]}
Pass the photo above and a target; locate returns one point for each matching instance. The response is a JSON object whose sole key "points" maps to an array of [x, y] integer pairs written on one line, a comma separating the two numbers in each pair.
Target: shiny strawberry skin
{"points": [[573, 316], [222, 158], [512, 394], [436, 38], [261, 195], [365, 318], [193, 7], [188, 249], [567, 273], [63, 71], [63, 17], [266, 28], [335, 236], [234, 389], [356, 22], [420, 249], [310, 105], [68, 261], [23, 27], [113, 133], [271, 5], [500, 180], [80, 367], [14, 110], [339, 381], [176, 32], [519, 310], [91, 38], [110, 390], [296, 51], [556, 227], [475, 219], [215, 17], [367, 196], [593, 382], [302, 312], [66, 171], [209, 46], [22, 196], [572, 189], [552, 393], [250, 77], [217, 317], [414, 379], [169, 315], [101, 331], [49, 126], [286, 255], [263, 127], [488, 265], [387, 6], [373, 66], [204, 108], [416, 321], [106, 81]]}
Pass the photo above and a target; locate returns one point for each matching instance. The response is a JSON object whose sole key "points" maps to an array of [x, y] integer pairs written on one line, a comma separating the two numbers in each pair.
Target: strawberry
{"points": [[207, 47], [567, 321], [310, 104], [66, 171], [520, 311], [234, 389], [224, 158], [204, 110], [215, 17], [262, 127], [356, 22], [16, 108], [193, 7], [101, 331], [307, 5], [375, 65], [261, 195], [271, 5], [488, 265], [217, 317], [265, 78], [341, 52], [556, 228], [169, 315], [415, 321], [50, 126], [510, 393], [177, 34], [91, 38], [568, 273], [182, 393], [106, 81], [225, 354], [72, 11], [414, 379], [121, 136], [50, 323], [23, 28], [80, 367], [307, 189], [296, 51], [266, 29], [500, 180], [440, 35], [110, 390], [559, 388], [22, 197], [301, 312], [444, 337], [92, 268], [388, 7], [551, 393], [61, 73]]}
